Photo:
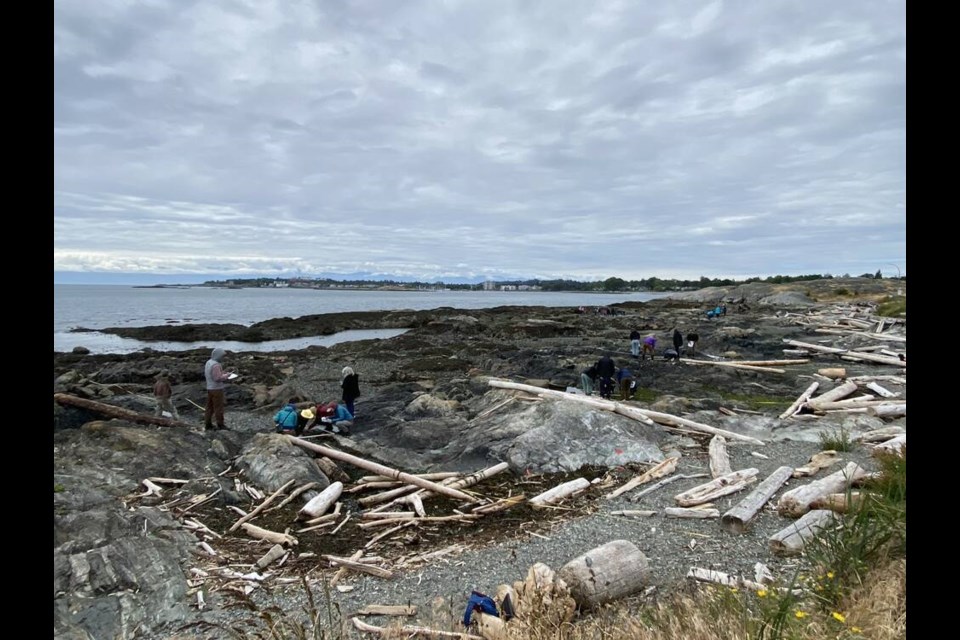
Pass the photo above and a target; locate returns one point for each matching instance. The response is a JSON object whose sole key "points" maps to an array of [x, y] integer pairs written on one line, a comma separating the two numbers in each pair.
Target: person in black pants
{"points": [[351, 388], [677, 342], [606, 369]]}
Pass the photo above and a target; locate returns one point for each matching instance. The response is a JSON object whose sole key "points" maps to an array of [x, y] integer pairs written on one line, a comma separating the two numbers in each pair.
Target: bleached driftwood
{"points": [[735, 365], [633, 513], [888, 410], [722, 486], [676, 421], [719, 458], [796, 502], [262, 506], [819, 460], [276, 552], [380, 469], [878, 435], [791, 539], [558, 493], [736, 519], [460, 517], [838, 502], [293, 495], [799, 402], [870, 357], [411, 631], [358, 566], [719, 577], [606, 405], [270, 536], [893, 445], [439, 475], [882, 336], [612, 571], [321, 502], [659, 470], [500, 505], [684, 512], [383, 515], [883, 392], [834, 373], [814, 347], [636, 497], [840, 391], [457, 483]]}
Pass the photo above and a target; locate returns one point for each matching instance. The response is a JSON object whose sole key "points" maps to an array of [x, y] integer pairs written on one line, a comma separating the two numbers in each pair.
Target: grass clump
{"points": [[892, 306], [836, 440]]}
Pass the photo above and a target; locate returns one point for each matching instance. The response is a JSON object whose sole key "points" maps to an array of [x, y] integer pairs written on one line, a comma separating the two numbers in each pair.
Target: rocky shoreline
{"points": [[127, 566]]}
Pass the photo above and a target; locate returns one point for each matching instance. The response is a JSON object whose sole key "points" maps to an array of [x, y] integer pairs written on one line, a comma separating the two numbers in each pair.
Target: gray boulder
{"points": [[270, 460]]}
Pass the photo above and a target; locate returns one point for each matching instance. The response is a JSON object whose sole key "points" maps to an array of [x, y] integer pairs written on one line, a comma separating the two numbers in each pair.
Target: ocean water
{"points": [[101, 306]]}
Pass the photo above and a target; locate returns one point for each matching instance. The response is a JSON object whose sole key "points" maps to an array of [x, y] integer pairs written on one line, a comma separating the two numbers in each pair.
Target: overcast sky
{"points": [[479, 139]]}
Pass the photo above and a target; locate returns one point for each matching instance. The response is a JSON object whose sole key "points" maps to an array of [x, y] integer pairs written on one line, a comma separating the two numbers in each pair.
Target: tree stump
{"points": [[614, 570]]}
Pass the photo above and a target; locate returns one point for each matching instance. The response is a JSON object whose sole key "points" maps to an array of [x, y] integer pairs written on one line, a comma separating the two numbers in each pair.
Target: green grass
{"points": [[838, 440], [892, 306]]}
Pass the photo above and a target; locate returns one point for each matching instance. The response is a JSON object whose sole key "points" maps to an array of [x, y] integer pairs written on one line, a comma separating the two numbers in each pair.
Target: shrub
{"points": [[837, 440]]}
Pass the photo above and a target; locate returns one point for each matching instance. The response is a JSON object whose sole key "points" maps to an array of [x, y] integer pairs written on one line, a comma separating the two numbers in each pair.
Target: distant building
{"points": [[489, 285]]}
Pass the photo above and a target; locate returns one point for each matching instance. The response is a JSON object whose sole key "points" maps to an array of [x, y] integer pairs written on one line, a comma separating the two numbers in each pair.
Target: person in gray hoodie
{"points": [[217, 380]]}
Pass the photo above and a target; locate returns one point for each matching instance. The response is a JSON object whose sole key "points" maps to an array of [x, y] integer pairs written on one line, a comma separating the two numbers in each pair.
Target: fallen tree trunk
{"points": [[676, 421], [790, 540], [380, 469], [878, 435], [888, 410], [607, 573], [559, 492], [838, 502], [796, 502], [894, 445], [735, 365], [736, 519], [459, 483], [722, 486], [117, 412]]}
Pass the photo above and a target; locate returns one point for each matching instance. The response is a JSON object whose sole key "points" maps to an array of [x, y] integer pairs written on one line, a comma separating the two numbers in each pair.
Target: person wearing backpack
{"points": [[288, 418], [162, 392]]}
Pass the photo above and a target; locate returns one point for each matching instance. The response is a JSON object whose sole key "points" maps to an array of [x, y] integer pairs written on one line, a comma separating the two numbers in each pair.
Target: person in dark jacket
{"points": [[606, 369], [677, 342], [587, 379], [626, 382], [351, 388]]}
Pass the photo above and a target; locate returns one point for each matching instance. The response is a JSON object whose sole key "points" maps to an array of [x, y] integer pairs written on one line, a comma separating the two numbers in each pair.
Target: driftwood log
{"points": [[606, 405], [117, 412], [276, 552], [878, 435], [639, 494], [659, 470], [722, 486], [838, 502], [388, 610], [558, 493], [894, 445], [819, 460], [796, 502], [719, 458], [838, 392], [409, 631], [270, 536], [609, 572], [380, 469], [262, 506], [686, 512], [799, 402], [737, 519], [332, 470], [320, 503], [791, 539]]}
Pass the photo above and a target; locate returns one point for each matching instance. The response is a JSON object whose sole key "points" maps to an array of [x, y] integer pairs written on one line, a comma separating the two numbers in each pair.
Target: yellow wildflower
{"points": [[761, 593], [839, 617], [830, 574], [800, 614], [856, 629]]}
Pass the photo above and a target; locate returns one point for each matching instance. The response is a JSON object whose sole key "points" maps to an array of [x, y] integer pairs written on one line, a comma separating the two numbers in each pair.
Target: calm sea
{"points": [[101, 306]]}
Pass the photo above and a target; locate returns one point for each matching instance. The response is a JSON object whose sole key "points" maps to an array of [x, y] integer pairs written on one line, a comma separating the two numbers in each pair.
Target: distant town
{"points": [[601, 286]]}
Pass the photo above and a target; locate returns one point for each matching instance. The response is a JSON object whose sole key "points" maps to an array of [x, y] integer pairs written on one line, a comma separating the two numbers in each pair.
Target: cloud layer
{"points": [[440, 139]]}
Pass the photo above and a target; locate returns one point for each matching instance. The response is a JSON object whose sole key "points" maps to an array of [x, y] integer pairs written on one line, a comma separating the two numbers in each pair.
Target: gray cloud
{"points": [[462, 139]]}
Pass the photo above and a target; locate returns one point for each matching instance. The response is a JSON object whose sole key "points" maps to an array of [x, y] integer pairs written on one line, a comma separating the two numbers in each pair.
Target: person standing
{"points": [[692, 339], [163, 392], [635, 343], [216, 379], [606, 369], [626, 382], [587, 378], [350, 384], [677, 341]]}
